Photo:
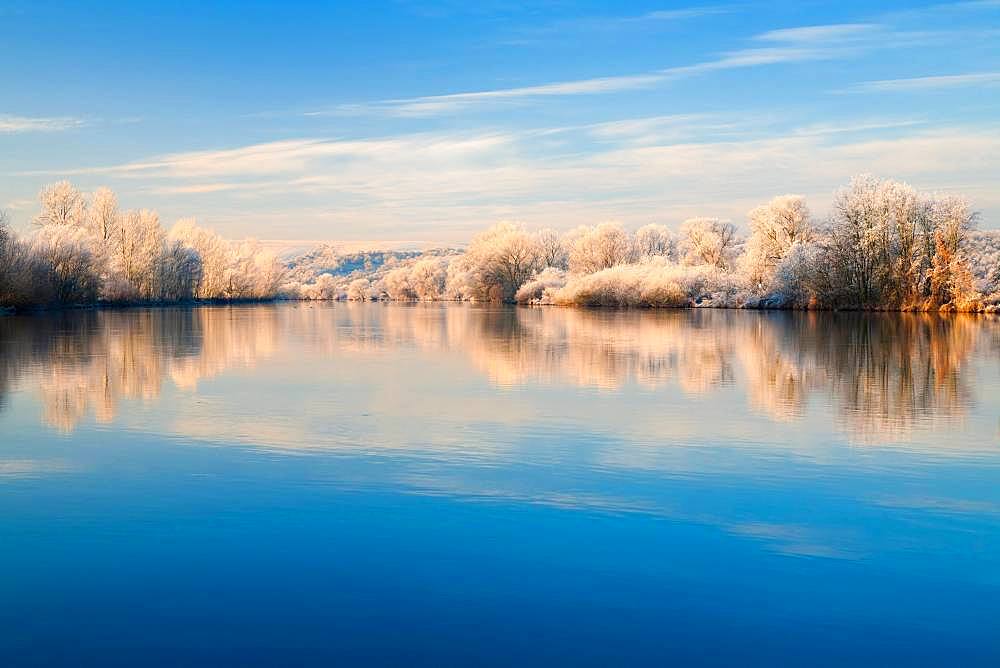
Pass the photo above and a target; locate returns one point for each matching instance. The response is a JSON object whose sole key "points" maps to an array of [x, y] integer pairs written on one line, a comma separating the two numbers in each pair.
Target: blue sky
{"points": [[417, 122]]}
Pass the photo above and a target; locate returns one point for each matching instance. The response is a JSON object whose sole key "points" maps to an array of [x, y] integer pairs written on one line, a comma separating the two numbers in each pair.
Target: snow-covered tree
{"points": [[427, 278], [951, 279], [62, 204], [498, 261], [179, 272], [67, 250], [554, 252], [215, 254], [137, 251], [102, 217], [359, 290], [599, 247], [653, 240], [774, 228], [396, 285], [708, 241], [880, 244]]}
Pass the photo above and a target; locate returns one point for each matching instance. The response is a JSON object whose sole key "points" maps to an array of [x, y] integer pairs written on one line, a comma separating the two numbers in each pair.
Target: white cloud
{"points": [[442, 186], [929, 83], [790, 45], [823, 34], [17, 124], [634, 170], [296, 155], [857, 126]]}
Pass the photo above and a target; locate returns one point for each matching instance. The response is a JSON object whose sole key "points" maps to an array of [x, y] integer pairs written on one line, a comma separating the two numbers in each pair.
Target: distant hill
{"points": [[326, 259], [305, 268]]}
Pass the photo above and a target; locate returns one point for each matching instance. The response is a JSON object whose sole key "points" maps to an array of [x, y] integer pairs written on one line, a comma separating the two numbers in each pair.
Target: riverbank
{"points": [[46, 308], [761, 304]]}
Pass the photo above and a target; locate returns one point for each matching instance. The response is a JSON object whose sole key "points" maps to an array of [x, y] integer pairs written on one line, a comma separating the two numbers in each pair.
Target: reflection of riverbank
{"points": [[882, 374], [87, 361]]}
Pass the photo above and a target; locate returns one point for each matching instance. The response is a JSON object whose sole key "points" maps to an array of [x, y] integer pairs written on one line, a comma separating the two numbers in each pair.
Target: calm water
{"points": [[453, 485]]}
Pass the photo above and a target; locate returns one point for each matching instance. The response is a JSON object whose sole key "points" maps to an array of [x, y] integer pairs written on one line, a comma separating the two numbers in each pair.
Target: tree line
{"points": [[86, 250], [884, 245]]}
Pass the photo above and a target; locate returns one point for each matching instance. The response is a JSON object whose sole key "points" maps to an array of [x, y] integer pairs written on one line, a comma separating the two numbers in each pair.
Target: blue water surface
{"points": [[436, 485]]}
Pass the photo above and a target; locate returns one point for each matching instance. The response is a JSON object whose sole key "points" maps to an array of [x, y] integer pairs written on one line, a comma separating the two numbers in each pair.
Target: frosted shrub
{"points": [[324, 288], [652, 284], [546, 281], [794, 280], [358, 290]]}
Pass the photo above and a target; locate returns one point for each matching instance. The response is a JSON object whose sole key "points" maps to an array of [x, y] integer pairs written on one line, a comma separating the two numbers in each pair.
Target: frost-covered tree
{"points": [[427, 278], [9, 249], [498, 261], [599, 247], [774, 228], [879, 243], [244, 270], [951, 279], [67, 251], [215, 253], [797, 278], [396, 285], [708, 241], [254, 272], [554, 251], [359, 290], [179, 272], [137, 251], [102, 217], [653, 240], [25, 278], [62, 204]]}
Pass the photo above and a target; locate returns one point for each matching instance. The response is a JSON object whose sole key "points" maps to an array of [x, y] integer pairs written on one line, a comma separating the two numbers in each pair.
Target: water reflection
{"points": [[883, 375], [253, 472], [84, 362]]}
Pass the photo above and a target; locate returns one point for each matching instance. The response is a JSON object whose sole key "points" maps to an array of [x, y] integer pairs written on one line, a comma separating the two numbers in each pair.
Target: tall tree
{"points": [[62, 204]]}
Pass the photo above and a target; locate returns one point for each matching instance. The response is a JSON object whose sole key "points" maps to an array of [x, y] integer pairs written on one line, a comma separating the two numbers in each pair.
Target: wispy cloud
{"points": [[821, 34], [296, 155], [17, 124], [928, 83], [446, 185], [817, 129], [788, 45]]}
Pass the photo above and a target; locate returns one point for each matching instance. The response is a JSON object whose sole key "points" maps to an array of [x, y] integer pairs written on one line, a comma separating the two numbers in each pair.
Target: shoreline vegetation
{"points": [[883, 247]]}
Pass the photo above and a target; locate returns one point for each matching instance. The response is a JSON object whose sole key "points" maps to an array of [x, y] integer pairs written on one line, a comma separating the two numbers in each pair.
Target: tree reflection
{"points": [[881, 373], [84, 362]]}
